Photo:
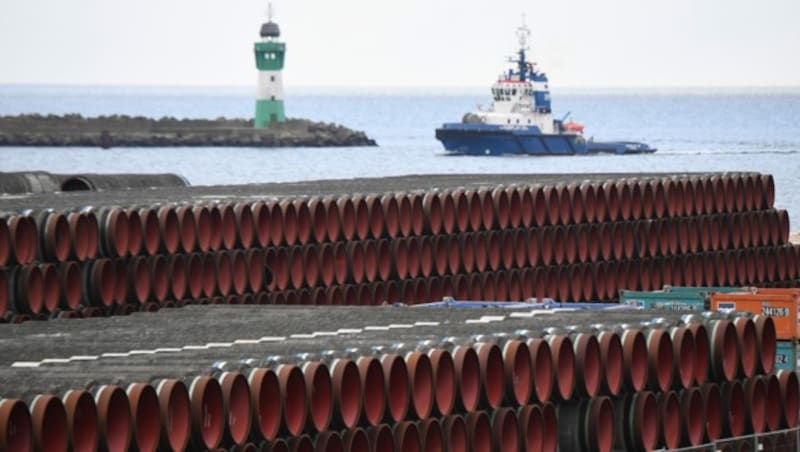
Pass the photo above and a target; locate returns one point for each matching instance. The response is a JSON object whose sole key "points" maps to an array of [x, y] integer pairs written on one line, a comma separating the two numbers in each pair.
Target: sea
{"points": [[694, 130]]}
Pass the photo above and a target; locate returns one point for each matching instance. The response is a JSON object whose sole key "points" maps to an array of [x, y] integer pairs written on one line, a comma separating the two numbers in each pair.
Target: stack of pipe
{"points": [[563, 383], [567, 242], [571, 242], [95, 262]]}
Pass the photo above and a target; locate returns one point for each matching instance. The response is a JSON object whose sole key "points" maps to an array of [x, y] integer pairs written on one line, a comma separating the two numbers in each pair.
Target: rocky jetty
{"points": [[138, 131]]}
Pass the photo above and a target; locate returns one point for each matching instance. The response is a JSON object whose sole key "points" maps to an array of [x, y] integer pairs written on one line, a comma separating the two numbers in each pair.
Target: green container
{"points": [[786, 356], [660, 299], [674, 298]]}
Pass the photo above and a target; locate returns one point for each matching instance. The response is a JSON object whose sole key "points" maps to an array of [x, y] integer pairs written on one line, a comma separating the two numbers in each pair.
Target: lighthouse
{"points": [[269, 61]]}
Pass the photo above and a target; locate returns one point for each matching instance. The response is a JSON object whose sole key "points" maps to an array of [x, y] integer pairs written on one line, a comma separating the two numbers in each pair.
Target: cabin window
{"points": [[508, 120], [271, 78], [517, 121], [513, 92]]}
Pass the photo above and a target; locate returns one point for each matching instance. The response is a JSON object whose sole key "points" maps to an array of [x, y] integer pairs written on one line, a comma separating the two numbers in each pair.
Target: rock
{"points": [[124, 131]]}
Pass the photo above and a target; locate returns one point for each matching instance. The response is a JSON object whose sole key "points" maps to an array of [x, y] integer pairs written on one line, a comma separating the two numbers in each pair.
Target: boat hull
{"points": [[479, 139]]}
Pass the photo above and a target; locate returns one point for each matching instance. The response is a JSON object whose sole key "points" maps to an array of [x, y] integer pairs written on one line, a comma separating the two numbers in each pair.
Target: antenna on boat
{"points": [[269, 12], [523, 33]]}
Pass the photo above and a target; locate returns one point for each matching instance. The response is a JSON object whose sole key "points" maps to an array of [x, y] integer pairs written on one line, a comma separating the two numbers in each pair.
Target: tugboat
{"points": [[520, 120]]}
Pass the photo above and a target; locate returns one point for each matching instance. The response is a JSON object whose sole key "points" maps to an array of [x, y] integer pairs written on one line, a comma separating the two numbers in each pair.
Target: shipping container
{"points": [[786, 355], [675, 297], [782, 307]]}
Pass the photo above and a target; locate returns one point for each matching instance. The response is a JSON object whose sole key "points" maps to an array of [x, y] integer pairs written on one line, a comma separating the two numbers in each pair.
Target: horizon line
{"points": [[392, 87]]}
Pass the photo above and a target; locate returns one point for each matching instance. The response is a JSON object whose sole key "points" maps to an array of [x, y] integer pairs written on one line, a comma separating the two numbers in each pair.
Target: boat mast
{"points": [[523, 33]]}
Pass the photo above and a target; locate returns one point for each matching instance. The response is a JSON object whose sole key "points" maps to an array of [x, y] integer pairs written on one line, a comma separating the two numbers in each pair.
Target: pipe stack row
{"points": [[574, 242], [115, 261], [665, 383]]}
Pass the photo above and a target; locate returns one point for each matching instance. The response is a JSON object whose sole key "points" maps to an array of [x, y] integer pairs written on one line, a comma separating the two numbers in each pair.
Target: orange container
{"points": [[782, 306]]}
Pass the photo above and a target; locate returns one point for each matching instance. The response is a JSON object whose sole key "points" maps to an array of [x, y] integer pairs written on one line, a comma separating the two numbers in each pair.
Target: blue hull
{"points": [[480, 139]]}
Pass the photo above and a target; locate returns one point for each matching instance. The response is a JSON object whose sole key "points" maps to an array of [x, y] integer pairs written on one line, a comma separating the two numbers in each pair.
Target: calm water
{"points": [[721, 130]]}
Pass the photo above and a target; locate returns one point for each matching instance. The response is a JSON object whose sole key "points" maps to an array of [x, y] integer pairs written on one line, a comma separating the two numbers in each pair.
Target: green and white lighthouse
{"points": [[269, 60]]}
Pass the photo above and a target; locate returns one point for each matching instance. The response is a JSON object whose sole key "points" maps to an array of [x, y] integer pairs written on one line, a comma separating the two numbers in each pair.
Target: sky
{"points": [[411, 43]]}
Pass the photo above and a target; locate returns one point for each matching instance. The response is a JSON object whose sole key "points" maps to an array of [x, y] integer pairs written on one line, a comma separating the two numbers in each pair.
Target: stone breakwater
{"points": [[137, 131]]}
